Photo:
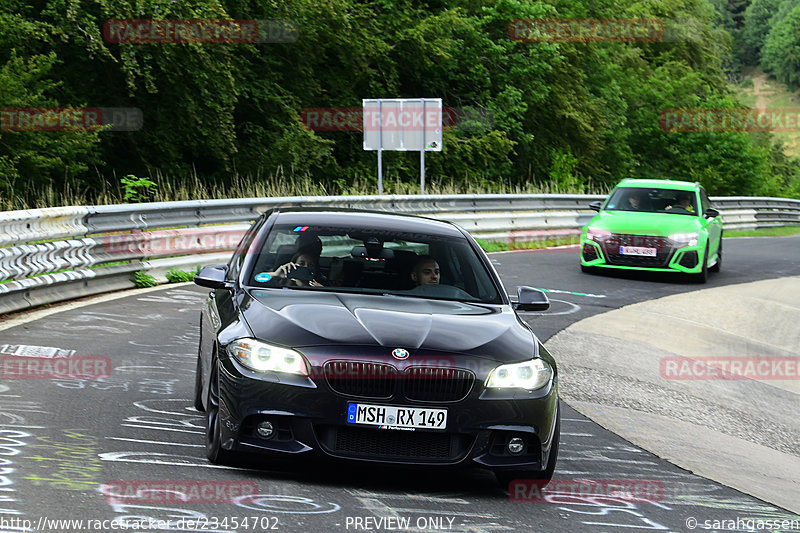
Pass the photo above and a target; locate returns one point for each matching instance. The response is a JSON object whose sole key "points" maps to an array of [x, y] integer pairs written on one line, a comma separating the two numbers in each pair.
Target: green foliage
{"points": [[757, 24], [179, 276], [561, 171], [29, 159], [781, 53], [543, 116], [142, 279], [137, 189]]}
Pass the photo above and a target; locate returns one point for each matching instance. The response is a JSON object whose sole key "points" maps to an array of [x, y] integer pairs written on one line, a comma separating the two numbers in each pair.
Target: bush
{"points": [[137, 189], [142, 279], [179, 276]]}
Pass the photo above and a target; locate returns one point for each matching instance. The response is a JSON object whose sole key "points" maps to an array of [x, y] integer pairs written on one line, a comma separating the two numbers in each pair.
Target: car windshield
{"points": [[372, 261], [653, 200]]}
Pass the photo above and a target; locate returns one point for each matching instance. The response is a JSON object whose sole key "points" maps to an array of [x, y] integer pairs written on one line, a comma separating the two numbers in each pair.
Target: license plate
{"points": [[395, 417], [637, 250]]}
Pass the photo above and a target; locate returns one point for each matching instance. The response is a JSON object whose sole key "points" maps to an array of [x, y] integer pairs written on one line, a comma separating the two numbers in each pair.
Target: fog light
{"points": [[265, 430], [516, 445]]}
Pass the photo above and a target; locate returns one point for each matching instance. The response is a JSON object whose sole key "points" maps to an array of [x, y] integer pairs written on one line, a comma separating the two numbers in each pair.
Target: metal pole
{"points": [[422, 152], [380, 171], [380, 149]]}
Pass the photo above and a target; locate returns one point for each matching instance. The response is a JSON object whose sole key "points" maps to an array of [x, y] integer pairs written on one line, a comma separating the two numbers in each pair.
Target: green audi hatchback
{"points": [[657, 225]]}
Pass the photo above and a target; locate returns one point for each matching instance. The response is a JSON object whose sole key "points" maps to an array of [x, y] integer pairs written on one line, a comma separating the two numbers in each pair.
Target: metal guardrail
{"points": [[55, 254]]}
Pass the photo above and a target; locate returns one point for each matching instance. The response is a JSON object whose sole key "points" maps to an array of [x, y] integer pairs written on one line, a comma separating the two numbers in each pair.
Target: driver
{"points": [[425, 271], [683, 201]]}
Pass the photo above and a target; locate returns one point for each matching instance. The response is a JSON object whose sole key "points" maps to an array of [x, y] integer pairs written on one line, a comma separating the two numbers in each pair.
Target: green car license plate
{"points": [[638, 250]]}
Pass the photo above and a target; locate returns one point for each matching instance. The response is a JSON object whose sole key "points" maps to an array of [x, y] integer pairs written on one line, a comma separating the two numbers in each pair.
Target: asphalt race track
{"points": [[72, 449]]}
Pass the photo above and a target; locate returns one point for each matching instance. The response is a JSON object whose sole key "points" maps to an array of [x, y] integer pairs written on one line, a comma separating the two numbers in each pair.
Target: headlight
{"points": [[263, 357], [530, 375], [685, 239], [597, 234]]}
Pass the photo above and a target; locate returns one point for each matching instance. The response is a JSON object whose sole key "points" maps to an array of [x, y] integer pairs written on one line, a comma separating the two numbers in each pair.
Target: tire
{"points": [[702, 276], [214, 450], [198, 386], [718, 265], [543, 477], [586, 269]]}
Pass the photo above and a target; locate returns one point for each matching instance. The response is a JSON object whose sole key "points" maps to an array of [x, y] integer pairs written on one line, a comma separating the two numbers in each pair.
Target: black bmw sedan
{"points": [[373, 337]]}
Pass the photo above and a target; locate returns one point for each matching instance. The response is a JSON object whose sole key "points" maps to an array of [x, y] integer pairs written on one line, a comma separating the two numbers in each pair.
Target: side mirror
{"points": [[711, 213], [596, 205], [212, 277], [531, 299]]}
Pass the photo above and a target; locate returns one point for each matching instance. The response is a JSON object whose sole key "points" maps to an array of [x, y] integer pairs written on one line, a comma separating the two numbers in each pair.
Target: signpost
{"points": [[403, 124]]}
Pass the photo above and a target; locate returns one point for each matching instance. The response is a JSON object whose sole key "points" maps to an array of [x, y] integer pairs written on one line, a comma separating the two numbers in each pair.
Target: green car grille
{"points": [[663, 246]]}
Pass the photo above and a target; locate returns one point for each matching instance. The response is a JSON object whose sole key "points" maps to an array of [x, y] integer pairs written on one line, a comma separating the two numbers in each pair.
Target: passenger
{"points": [[636, 200], [425, 271], [300, 259]]}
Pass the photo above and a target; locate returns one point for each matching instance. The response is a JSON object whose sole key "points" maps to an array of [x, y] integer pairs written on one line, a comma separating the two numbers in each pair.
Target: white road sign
{"points": [[403, 124]]}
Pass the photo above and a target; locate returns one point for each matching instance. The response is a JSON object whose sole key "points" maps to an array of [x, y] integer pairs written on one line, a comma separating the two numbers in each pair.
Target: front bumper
{"points": [[671, 257], [310, 420]]}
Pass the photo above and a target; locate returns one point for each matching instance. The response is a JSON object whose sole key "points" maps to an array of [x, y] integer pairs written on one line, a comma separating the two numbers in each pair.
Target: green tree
{"points": [[186, 91], [781, 54], [756, 27], [29, 160], [565, 114]]}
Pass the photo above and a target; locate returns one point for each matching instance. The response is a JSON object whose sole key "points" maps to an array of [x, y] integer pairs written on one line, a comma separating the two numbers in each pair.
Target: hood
{"points": [[304, 318], [661, 224]]}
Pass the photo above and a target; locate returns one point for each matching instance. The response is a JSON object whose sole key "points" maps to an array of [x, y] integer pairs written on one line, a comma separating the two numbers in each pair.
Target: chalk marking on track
{"points": [[148, 458], [559, 291], [157, 442], [573, 308], [165, 429], [30, 316]]}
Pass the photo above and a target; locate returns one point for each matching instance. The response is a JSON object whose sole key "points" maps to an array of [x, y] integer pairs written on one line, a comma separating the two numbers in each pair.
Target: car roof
{"points": [[366, 219], [660, 184]]}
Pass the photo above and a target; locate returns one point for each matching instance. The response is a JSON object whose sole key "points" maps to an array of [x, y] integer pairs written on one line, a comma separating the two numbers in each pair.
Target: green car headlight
{"points": [[685, 239], [529, 375], [597, 234], [263, 357]]}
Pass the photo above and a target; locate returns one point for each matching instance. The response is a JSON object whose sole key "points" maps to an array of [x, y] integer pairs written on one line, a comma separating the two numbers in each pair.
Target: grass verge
{"points": [[783, 231], [498, 246], [193, 187]]}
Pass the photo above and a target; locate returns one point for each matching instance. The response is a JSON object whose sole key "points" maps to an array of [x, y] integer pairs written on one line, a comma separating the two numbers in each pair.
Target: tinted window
{"points": [[239, 254], [653, 200], [704, 200], [376, 261]]}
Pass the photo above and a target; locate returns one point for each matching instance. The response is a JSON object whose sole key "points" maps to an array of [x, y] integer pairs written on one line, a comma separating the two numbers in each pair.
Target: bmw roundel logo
{"points": [[400, 353]]}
